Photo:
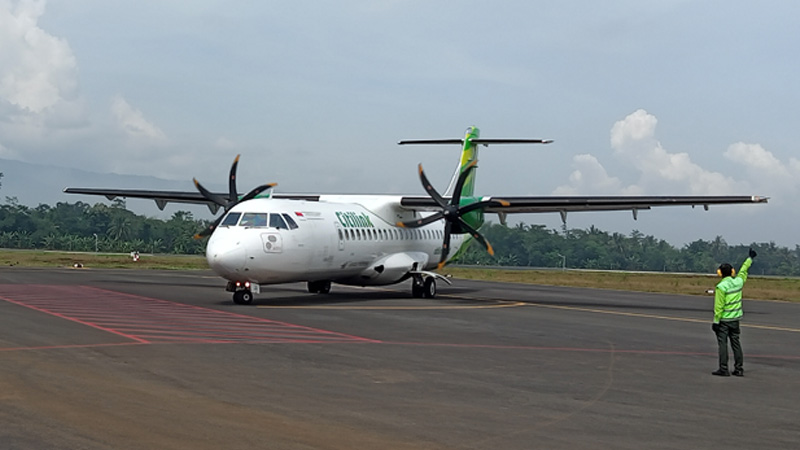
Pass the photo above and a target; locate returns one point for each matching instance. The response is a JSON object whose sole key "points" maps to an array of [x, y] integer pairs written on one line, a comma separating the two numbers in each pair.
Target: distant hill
{"points": [[33, 184]]}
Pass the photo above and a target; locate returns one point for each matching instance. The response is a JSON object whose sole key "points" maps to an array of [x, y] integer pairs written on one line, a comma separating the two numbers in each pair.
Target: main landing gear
{"points": [[423, 287], [319, 287]]}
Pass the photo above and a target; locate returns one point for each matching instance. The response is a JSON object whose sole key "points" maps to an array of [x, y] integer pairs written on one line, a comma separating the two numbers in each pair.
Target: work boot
{"points": [[738, 373], [721, 373]]}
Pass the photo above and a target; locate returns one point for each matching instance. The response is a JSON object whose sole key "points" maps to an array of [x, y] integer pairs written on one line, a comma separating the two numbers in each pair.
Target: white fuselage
{"points": [[344, 239]]}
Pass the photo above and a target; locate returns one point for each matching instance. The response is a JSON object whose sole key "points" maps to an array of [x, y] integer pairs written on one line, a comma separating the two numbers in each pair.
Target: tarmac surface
{"points": [[123, 359]]}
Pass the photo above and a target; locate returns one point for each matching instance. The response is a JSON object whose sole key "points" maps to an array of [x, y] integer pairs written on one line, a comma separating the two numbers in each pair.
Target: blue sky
{"points": [[652, 98]]}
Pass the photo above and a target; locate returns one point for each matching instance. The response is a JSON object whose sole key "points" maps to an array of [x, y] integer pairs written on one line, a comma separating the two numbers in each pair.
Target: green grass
{"points": [[41, 258], [764, 288]]}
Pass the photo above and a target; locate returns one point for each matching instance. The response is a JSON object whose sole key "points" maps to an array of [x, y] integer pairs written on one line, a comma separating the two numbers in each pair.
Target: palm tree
{"points": [[119, 228]]}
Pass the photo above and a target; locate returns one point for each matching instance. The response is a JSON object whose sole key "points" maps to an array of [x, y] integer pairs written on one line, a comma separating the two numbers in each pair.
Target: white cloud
{"points": [[589, 177], [37, 69], [133, 122], [636, 129], [660, 171], [765, 170], [756, 159], [633, 140]]}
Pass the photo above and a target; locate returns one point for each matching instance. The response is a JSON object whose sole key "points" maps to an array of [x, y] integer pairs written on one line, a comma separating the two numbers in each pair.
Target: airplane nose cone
{"points": [[226, 257]]}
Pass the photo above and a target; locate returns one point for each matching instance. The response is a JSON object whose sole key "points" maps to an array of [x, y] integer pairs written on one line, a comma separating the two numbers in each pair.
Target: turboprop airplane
{"points": [[265, 238]]}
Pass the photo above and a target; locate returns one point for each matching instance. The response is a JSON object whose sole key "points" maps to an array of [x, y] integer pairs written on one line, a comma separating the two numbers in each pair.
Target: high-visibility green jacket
{"points": [[728, 295]]}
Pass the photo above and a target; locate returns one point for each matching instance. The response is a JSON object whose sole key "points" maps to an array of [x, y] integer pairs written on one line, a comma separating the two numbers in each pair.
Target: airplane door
{"points": [[340, 235]]}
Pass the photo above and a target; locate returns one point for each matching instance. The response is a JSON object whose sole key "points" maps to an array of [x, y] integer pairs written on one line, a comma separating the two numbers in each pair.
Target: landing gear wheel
{"points": [[429, 288], [417, 288], [243, 297], [319, 287]]}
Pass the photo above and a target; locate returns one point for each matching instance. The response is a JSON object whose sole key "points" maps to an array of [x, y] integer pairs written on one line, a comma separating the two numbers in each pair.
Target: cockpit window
{"points": [[231, 219], [254, 220], [289, 221], [276, 221]]}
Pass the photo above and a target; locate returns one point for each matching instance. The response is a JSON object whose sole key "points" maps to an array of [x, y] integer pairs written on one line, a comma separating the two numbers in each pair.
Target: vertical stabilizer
{"points": [[462, 212], [469, 153]]}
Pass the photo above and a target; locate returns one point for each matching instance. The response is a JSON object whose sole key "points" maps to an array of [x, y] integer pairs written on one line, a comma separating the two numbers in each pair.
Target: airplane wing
{"points": [[163, 197], [564, 204]]}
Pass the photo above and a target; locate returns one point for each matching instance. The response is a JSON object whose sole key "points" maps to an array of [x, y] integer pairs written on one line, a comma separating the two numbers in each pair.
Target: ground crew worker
{"points": [[727, 313]]}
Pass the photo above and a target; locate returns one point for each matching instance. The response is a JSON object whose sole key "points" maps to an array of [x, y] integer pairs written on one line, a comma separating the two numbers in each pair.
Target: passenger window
{"points": [[289, 221], [276, 221], [254, 220], [231, 219]]}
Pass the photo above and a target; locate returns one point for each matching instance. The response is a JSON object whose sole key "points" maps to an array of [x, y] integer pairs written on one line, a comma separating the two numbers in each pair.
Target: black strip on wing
{"points": [[170, 196], [590, 203], [598, 203]]}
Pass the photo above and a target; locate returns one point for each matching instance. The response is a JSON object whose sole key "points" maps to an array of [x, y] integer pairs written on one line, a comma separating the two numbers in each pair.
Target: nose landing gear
{"points": [[242, 291], [243, 297]]}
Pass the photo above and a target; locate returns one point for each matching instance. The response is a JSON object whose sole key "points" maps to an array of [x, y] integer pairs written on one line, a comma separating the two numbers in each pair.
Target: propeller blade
{"points": [[219, 200], [233, 194], [445, 245], [482, 204], [430, 190], [209, 229], [462, 178], [478, 237], [421, 222], [254, 192]]}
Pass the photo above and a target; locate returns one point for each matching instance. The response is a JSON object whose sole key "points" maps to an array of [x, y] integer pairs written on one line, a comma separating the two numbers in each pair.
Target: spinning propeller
{"points": [[452, 212], [229, 202]]}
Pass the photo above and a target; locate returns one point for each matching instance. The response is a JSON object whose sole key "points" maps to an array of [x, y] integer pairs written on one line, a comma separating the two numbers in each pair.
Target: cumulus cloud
{"points": [[589, 177], [633, 139], [133, 122], [41, 109], [37, 70], [767, 171], [660, 171]]}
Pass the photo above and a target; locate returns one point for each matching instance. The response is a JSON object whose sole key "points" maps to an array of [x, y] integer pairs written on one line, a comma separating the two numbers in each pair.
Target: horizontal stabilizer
{"points": [[430, 141], [474, 141], [511, 141]]}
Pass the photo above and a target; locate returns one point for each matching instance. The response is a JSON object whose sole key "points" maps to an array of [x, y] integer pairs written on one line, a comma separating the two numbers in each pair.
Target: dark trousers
{"points": [[729, 330]]}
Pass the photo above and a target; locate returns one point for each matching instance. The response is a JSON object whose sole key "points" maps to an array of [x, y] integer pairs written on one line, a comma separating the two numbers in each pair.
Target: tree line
{"points": [[537, 246], [112, 228], [99, 227]]}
